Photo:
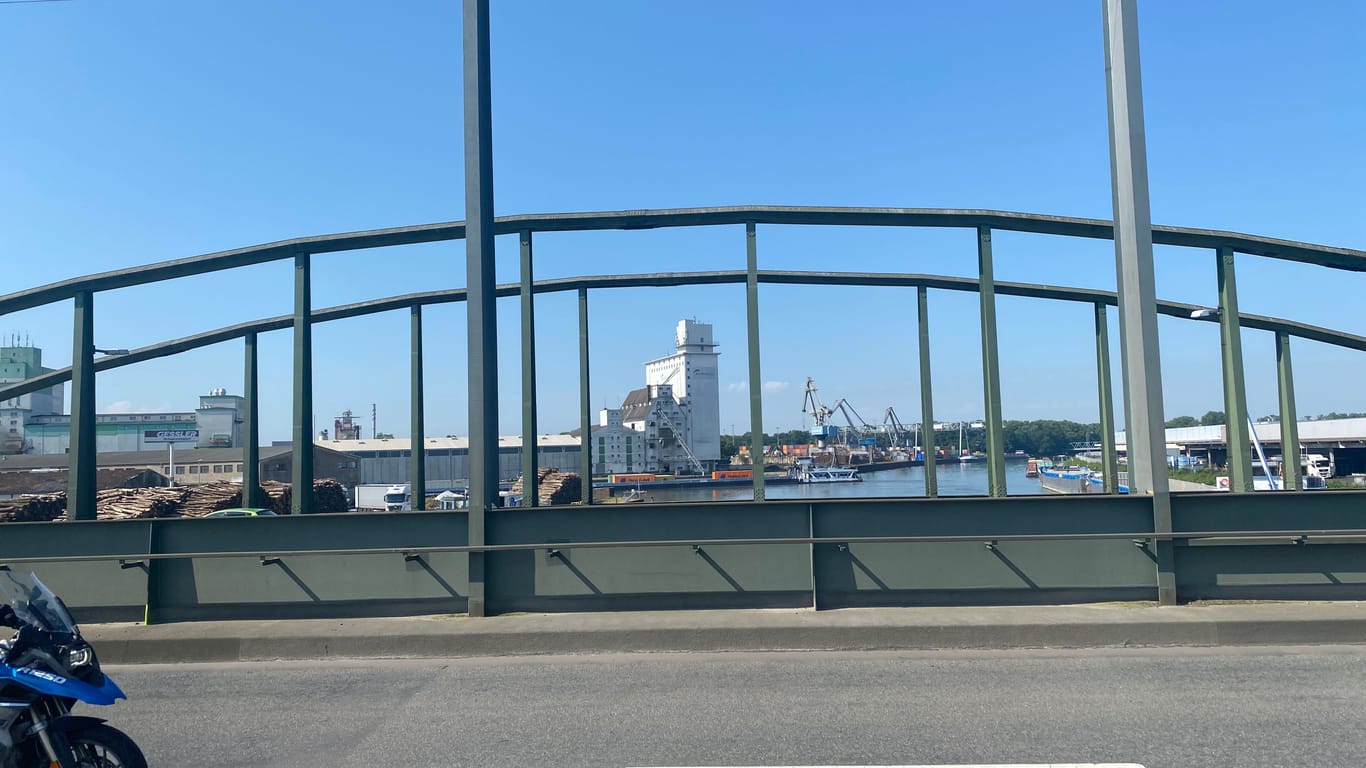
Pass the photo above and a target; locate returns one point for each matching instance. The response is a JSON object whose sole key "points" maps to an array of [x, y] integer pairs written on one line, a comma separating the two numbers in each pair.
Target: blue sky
{"points": [[143, 130]]}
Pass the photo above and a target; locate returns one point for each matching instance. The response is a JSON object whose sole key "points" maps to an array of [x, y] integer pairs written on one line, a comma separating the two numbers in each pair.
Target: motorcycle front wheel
{"points": [[101, 746]]}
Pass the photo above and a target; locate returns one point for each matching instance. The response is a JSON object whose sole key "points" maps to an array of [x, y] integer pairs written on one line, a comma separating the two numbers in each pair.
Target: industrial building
{"points": [[218, 420], [616, 447], [448, 458], [35, 423], [676, 416], [195, 466], [18, 363]]}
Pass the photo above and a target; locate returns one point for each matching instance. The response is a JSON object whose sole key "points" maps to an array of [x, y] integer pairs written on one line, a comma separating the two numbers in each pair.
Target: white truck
{"points": [[377, 497]]}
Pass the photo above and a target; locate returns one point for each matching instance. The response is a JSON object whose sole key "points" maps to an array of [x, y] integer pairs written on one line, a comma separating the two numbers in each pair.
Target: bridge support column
{"points": [[991, 366], [927, 437], [1107, 399], [480, 305], [756, 379], [251, 426], [301, 502], [417, 443], [80, 489], [1134, 275], [1290, 428], [585, 407], [531, 487], [1236, 435]]}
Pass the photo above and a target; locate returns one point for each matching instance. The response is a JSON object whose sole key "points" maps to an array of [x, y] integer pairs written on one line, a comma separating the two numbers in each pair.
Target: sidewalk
{"points": [[1074, 626]]}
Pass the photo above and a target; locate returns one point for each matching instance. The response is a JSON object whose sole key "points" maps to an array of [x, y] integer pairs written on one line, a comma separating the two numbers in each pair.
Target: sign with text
{"points": [[170, 436]]}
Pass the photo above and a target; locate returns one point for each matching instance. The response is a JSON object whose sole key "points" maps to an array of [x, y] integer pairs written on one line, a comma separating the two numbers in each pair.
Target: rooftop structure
{"points": [[16, 364]]}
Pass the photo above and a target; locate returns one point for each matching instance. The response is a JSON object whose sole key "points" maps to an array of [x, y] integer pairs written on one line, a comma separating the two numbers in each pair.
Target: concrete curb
{"points": [[714, 631]]}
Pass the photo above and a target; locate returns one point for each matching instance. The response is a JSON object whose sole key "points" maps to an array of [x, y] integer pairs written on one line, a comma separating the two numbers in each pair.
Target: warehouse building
{"points": [[199, 466], [448, 458]]}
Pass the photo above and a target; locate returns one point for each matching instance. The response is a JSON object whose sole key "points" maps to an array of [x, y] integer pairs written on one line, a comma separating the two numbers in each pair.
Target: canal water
{"points": [[954, 480]]}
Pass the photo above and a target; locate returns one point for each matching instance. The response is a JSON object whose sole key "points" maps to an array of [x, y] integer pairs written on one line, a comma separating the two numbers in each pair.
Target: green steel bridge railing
{"points": [[1223, 246]]}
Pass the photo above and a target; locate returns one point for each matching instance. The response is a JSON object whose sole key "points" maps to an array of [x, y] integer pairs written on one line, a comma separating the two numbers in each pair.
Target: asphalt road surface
{"points": [[1161, 708]]}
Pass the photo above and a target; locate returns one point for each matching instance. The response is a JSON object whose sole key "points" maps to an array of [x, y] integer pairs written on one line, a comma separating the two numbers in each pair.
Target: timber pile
{"points": [[277, 496], [561, 488], [328, 496], [541, 474], [135, 503], [200, 500], [33, 509], [186, 501]]}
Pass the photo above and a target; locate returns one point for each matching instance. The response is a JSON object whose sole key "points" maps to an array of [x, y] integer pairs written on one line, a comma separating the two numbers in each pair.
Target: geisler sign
{"points": [[170, 436]]}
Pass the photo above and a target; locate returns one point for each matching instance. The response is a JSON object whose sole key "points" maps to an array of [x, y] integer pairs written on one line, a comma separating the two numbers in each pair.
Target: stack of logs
{"points": [[134, 503], [33, 509], [328, 496], [555, 487], [180, 501]]}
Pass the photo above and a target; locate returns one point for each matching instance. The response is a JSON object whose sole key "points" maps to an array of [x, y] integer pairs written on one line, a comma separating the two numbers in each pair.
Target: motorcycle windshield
{"points": [[33, 603]]}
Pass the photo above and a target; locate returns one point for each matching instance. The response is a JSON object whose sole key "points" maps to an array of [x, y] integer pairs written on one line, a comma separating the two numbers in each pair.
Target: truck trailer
{"points": [[376, 497]]}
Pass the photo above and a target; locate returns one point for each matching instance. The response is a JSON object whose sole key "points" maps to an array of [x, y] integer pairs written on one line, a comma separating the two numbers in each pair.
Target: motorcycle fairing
{"points": [[52, 684]]}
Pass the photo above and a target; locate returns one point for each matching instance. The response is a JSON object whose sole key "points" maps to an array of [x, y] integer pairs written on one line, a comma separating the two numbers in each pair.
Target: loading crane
{"points": [[861, 429], [900, 433], [821, 413], [812, 404], [682, 443]]}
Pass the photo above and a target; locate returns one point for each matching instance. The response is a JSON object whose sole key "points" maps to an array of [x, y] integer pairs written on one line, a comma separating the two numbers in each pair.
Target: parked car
{"points": [[242, 512]]}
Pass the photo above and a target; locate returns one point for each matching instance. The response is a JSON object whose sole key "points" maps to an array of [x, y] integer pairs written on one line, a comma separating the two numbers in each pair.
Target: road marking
{"points": [[959, 765]]}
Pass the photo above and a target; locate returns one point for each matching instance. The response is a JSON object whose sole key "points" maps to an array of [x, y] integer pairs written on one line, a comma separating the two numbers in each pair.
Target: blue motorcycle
{"points": [[44, 670]]}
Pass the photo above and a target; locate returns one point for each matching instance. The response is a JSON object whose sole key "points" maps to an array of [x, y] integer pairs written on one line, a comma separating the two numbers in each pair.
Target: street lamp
{"points": [[1204, 314], [97, 350]]}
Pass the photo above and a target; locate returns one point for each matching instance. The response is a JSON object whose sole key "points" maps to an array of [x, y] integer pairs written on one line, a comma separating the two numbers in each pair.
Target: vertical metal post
{"points": [[1290, 428], [927, 435], [1143, 418], [756, 379], [585, 412], [480, 304], [1107, 400], [251, 431], [1236, 434], [991, 366], [531, 486], [301, 502], [80, 490], [417, 443]]}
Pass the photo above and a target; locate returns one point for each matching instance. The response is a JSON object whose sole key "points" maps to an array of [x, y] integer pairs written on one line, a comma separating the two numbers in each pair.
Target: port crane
{"points": [[812, 404], [900, 433], [862, 429], [821, 413]]}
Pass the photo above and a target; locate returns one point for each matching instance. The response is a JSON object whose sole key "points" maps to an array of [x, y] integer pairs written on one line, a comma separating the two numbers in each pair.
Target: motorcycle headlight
{"points": [[79, 657]]}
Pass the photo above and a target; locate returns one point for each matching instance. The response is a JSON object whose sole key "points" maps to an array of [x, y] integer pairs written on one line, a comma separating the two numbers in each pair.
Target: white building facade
{"points": [[661, 420], [692, 374], [616, 448], [17, 364]]}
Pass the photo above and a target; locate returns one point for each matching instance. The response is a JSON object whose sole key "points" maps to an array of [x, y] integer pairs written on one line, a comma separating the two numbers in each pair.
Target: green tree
{"points": [[1047, 437], [1213, 419], [1182, 421]]}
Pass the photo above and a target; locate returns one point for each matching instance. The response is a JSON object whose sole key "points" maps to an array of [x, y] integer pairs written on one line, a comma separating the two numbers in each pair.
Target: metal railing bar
{"points": [[672, 279], [1328, 256], [630, 544]]}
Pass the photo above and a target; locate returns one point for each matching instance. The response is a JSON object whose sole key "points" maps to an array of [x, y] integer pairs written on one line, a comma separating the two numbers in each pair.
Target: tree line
{"points": [[1039, 437], [1042, 437]]}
